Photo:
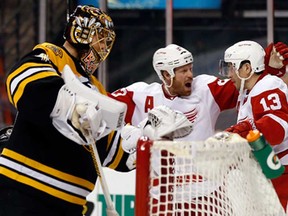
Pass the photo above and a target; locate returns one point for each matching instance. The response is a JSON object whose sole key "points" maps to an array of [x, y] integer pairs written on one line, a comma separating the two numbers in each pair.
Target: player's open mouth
{"points": [[188, 85]]}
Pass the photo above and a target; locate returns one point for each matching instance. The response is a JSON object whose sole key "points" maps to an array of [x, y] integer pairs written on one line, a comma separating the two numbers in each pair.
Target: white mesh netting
{"points": [[211, 178]]}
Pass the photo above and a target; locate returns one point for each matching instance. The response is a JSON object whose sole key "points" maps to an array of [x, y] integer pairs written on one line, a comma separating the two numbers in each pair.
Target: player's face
{"points": [[182, 82], [236, 81], [236, 76]]}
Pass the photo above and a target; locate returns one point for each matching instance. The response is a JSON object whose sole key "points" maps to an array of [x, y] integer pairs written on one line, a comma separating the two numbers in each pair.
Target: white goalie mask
{"points": [[169, 58]]}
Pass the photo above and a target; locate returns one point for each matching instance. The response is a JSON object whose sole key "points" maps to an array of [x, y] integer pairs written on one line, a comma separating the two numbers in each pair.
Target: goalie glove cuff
{"points": [[62, 115]]}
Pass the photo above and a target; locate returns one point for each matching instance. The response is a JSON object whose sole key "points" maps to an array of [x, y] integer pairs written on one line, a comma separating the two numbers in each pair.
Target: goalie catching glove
{"points": [[84, 115], [276, 58], [162, 123]]}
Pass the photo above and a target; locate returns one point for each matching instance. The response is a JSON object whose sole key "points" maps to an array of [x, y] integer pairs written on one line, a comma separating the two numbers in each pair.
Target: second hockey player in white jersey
{"points": [[201, 98], [262, 102]]}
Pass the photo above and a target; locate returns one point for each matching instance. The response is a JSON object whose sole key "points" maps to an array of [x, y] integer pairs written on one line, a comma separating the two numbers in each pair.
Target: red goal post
{"points": [[218, 177]]}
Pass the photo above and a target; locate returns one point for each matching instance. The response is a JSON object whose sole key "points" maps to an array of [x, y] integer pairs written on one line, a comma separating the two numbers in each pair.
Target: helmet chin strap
{"points": [[168, 86], [242, 91]]}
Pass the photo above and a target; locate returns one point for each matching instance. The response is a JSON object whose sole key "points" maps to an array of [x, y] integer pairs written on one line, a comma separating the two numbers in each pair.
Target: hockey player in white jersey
{"points": [[262, 102], [200, 98]]}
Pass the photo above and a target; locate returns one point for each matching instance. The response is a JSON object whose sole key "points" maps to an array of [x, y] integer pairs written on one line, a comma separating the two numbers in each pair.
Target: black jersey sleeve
{"points": [[33, 85]]}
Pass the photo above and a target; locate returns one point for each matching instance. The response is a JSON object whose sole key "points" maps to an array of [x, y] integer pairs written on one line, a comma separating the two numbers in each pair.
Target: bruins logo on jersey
{"points": [[44, 57], [56, 50]]}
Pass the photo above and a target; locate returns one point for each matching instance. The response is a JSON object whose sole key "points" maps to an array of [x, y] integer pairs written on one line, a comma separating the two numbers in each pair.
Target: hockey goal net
{"points": [[216, 177]]}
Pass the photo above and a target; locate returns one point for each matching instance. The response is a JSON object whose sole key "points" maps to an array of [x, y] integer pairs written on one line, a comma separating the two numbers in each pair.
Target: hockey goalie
{"points": [[215, 177]]}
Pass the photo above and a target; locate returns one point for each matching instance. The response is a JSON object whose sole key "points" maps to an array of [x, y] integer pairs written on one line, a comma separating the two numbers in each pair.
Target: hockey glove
{"points": [[276, 58], [76, 117], [87, 118], [131, 161], [130, 135], [163, 122], [83, 114], [242, 128]]}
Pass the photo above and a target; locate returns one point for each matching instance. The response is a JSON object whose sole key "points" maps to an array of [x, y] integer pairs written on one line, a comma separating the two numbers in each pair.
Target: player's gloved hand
{"points": [[276, 58], [165, 123], [130, 135], [87, 118], [242, 128], [131, 161], [162, 122]]}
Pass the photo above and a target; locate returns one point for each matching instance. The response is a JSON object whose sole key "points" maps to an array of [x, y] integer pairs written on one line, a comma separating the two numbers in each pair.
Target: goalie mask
{"points": [[91, 32]]}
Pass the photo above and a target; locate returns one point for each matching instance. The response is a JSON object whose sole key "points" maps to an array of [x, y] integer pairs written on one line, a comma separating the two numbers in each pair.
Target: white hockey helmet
{"points": [[170, 57], [243, 51]]}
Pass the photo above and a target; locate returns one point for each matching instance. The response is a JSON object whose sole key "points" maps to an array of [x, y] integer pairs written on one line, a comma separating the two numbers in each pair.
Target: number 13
{"points": [[274, 102]]}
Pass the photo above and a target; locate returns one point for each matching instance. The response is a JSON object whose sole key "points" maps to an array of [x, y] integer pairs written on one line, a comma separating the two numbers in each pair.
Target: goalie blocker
{"points": [[80, 111]]}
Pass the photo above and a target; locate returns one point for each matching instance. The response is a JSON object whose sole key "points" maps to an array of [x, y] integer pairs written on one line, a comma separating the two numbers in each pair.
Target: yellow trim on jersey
{"points": [[110, 139], [118, 158], [19, 92], [28, 181], [43, 168], [58, 56], [98, 84], [19, 70]]}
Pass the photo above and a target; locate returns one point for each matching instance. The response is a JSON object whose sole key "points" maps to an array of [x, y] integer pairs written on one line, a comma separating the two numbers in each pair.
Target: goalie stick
{"points": [[110, 210]]}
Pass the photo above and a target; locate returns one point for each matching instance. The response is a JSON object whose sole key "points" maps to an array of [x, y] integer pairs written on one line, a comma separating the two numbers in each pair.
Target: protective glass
{"points": [[226, 68]]}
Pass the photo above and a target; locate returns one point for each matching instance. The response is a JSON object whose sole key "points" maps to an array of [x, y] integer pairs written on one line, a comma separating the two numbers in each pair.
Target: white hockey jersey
{"points": [[266, 104], [210, 95]]}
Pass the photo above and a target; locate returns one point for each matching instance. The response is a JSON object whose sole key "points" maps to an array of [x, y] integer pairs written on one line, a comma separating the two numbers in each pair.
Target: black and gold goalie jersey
{"points": [[38, 159]]}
